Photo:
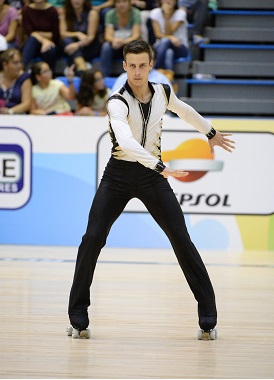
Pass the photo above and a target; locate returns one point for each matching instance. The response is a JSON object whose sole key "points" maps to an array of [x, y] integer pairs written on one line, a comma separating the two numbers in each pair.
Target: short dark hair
{"points": [[138, 47]]}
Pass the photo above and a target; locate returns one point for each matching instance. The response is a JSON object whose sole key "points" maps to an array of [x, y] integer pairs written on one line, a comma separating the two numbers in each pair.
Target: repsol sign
{"points": [[211, 200]]}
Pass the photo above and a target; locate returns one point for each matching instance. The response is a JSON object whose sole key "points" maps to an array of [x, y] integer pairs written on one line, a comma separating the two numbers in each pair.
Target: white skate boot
{"points": [[76, 334]]}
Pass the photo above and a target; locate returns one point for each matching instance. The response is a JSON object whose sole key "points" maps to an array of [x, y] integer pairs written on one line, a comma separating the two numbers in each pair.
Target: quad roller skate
{"points": [[79, 326], [207, 329], [207, 335], [76, 334]]}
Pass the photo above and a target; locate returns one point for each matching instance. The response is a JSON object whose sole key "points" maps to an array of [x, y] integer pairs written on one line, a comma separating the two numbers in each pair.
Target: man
{"points": [[135, 169]]}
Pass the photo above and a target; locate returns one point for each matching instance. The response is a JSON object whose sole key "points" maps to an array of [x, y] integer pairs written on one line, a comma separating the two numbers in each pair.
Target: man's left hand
{"points": [[220, 139]]}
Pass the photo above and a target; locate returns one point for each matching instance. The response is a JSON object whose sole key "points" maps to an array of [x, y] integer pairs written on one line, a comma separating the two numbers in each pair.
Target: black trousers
{"points": [[122, 181]]}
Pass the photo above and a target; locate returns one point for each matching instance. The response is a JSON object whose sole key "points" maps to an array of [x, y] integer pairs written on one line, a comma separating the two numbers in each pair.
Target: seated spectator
{"points": [[49, 96], [197, 14], [145, 6], [80, 34], [18, 5], [122, 25], [170, 29], [41, 25], [93, 94], [102, 6], [9, 20], [15, 84], [155, 76]]}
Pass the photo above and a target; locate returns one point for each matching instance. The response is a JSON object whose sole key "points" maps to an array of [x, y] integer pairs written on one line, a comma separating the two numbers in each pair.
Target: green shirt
{"points": [[125, 32]]}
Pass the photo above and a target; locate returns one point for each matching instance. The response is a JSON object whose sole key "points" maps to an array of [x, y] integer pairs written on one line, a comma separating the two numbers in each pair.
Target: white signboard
{"points": [[225, 183], [15, 168]]}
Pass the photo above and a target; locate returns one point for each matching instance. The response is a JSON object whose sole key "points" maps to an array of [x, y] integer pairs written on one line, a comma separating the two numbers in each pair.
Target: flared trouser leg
{"points": [[162, 204]]}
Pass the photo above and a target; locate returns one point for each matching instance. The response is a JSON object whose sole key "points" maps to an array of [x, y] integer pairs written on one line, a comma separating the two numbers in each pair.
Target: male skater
{"points": [[135, 169]]}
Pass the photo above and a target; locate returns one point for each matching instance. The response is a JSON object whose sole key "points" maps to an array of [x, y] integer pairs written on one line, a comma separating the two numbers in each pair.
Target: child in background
{"points": [[93, 94], [49, 96]]}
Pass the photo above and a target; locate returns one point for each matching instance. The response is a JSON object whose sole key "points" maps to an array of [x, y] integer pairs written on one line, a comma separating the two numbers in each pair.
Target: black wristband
{"points": [[211, 133], [159, 167]]}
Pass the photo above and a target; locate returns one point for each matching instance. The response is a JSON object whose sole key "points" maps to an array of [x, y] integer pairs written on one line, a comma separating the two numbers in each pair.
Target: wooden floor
{"points": [[143, 316]]}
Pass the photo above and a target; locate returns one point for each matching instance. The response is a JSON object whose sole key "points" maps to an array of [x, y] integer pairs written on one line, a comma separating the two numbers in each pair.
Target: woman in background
{"points": [[170, 29], [122, 25], [41, 25], [79, 29], [9, 20], [15, 84], [93, 94]]}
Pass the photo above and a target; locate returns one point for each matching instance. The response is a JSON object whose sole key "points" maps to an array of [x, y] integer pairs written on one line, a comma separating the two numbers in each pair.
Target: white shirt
{"points": [[179, 15], [136, 138]]}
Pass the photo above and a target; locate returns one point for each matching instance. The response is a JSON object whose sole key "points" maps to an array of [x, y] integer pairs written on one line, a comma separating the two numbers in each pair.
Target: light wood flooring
{"points": [[143, 316]]}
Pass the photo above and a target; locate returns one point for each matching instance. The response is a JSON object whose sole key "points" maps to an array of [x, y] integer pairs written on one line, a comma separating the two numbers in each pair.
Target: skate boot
{"points": [[207, 329], [78, 327]]}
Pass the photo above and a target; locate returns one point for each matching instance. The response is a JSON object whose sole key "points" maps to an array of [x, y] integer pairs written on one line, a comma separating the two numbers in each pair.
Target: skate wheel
{"points": [[75, 334], [213, 334], [200, 334], [69, 330], [85, 334]]}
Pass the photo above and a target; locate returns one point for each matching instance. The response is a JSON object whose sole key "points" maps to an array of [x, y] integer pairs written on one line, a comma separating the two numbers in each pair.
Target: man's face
{"points": [[137, 67]]}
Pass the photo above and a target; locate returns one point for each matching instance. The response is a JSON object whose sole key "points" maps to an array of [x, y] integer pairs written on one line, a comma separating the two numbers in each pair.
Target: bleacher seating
{"points": [[235, 70]]}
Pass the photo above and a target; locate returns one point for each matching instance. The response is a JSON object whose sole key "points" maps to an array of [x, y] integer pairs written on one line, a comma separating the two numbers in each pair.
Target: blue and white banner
{"points": [[50, 168]]}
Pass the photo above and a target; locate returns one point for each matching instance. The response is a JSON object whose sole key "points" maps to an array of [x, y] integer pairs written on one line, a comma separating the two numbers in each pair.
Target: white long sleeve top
{"points": [[136, 133]]}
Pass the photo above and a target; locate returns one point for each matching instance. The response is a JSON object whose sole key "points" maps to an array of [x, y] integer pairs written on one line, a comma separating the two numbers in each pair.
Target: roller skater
{"points": [[135, 169]]}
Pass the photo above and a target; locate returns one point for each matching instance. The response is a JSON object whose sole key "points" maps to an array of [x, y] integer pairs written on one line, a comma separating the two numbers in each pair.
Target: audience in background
{"points": [[49, 96], [197, 14], [122, 25], [15, 84], [93, 94], [170, 29], [41, 25], [9, 20], [80, 34], [145, 6], [75, 28], [18, 5], [102, 6]]}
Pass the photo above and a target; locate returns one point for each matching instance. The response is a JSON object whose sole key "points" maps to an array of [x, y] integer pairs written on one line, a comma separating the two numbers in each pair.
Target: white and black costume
{"points": [[133, 171]]}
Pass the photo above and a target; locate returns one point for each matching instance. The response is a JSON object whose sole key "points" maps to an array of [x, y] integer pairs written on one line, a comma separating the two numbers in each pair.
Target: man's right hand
{"points": [[174, 172]]}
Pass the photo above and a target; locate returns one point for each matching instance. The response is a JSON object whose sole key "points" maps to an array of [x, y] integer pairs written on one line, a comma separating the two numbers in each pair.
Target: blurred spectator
{"points": [[197, 14], [145, 6], [9, 20], [93, 94], [122, 25], [15, 84], [170, 29], [102, 6], [79, 31], [18, 5], [41, 25], [49, 96]]}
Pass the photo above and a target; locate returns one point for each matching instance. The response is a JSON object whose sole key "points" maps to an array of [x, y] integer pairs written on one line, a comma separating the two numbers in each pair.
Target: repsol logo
{"points": [[211, 200]]}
